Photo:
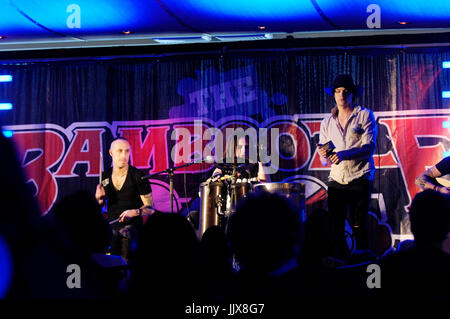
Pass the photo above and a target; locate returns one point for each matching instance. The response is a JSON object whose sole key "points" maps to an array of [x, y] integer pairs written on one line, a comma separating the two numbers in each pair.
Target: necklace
{"points": [[119, 180], [121, 175]]}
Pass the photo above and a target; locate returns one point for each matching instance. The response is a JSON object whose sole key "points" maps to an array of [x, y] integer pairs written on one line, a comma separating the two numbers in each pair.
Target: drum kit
{"points": [[219, 196]]}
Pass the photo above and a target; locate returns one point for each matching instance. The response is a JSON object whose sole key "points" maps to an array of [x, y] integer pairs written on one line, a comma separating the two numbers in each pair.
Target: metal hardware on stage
{"points": [[219, 197], [217, 203], [241, 191], [227, 168], [170, 172], [213, 198]]}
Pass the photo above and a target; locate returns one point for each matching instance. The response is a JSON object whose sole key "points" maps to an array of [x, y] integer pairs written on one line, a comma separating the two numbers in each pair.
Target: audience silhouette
{"points": [[422, 271], [218, 264], [317, 247], [166, 261], [40, 255], [79, 217], [265, 235]]}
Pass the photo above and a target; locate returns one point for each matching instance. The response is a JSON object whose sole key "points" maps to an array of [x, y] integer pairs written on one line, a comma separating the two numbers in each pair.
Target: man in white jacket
{"points": [[347, 142]]}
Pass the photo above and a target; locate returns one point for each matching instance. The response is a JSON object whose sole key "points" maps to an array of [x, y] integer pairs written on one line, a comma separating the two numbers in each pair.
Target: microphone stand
{"points": [[170, 171]]}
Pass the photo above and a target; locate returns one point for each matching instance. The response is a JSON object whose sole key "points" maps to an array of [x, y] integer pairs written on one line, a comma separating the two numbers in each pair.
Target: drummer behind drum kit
{"points": [[220, 195]]}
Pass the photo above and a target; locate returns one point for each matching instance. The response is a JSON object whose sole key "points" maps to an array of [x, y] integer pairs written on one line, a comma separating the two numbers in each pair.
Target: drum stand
{"points": [[233, 195], [170, 171]]}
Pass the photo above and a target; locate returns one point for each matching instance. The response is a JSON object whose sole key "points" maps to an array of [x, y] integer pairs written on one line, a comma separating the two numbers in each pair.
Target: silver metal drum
{"points": [[293, 191], [242, 190], [216, 202], [213, 198]]}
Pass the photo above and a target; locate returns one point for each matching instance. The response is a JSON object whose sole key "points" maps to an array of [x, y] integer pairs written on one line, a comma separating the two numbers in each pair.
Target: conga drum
{"points": [[242, 189], [213, 198], [293, 191]]}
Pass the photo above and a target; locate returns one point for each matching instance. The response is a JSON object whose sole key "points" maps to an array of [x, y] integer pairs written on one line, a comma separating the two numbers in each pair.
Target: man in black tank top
{"points": [[128, 197]]}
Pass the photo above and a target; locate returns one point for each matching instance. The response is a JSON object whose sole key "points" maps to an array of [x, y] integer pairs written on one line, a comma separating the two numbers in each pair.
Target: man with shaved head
{"points": [[128, 197]]}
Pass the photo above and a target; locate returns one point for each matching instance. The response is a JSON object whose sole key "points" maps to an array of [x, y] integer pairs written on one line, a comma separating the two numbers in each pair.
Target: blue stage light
{"points": [[7, 133], [6, 78], [5, 106], [446, 94]]}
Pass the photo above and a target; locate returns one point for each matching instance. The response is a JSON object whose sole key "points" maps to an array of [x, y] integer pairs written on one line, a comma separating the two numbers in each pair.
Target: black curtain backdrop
{"points": [[275, 88]]}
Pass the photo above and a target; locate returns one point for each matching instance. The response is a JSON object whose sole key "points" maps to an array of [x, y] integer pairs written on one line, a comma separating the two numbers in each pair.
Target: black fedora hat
{"points": [[346, 81]]}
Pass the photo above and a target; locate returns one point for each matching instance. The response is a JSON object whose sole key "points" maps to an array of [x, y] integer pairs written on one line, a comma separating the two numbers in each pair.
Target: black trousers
{"points": [[122, 239], [349, 202]]}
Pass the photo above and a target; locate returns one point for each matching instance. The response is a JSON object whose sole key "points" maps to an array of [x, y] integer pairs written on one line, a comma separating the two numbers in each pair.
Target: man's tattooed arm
{"points": [[427, 180]]}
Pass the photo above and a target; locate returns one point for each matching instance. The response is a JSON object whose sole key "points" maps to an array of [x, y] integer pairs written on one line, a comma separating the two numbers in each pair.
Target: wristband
{"points": [[139, 212]]}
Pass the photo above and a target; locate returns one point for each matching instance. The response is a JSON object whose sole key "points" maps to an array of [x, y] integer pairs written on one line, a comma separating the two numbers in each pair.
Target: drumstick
{"points": [[114, 221]]}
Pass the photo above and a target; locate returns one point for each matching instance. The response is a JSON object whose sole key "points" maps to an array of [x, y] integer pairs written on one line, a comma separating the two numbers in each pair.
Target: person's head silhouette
{"points": [[265, 233]]}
